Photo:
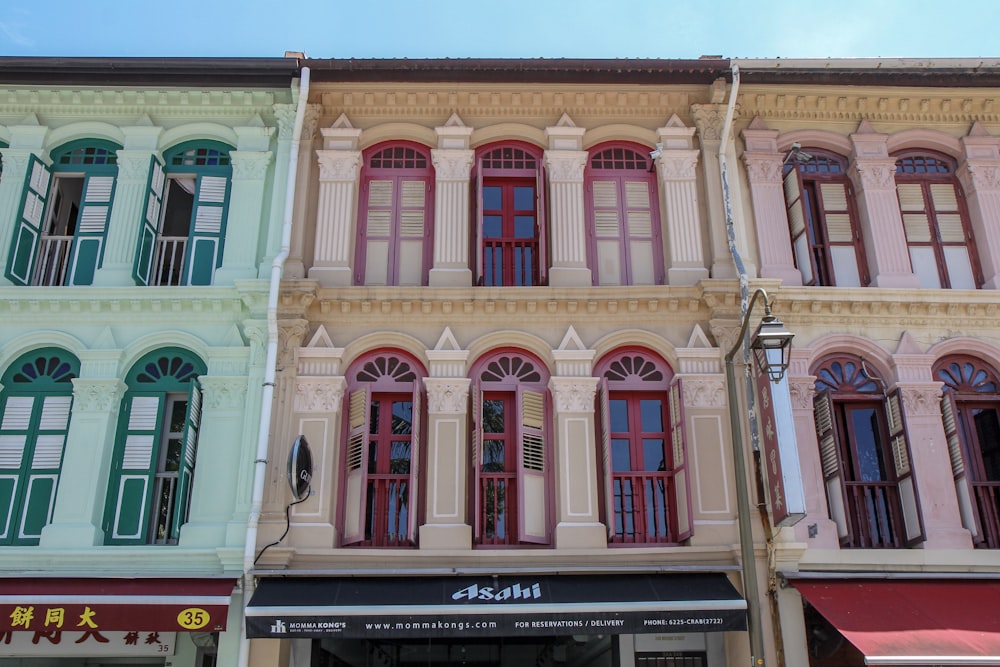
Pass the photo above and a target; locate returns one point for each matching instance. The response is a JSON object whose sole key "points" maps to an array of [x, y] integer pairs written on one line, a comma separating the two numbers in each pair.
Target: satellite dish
{"points": [[300, 468]]}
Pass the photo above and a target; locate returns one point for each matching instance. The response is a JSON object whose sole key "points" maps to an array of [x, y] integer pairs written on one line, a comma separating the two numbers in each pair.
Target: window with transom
{"points": [[156, 448], [970, 407], [823, 221], [865, 456], [184, 217], [624, 245], [395, 220], [510, 451], [647, 494], [936, 223], [382, 455], [35, 406], [62, 219], [510, 231]]}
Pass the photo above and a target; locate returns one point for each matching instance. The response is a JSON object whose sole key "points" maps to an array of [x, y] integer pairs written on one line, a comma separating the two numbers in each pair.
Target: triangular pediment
{"points": [[447, 342], [571, 341], [320, 339]]}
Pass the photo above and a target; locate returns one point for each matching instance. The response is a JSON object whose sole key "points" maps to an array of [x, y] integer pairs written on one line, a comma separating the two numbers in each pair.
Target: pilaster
{"points": [[131, 186], [447, 524], [677, 169], [567, 226], [303, 191], [873, 173], [79, 508], [979, 174], [224, 458], [245, 217], [774, 243], [709, 119], [339, 174], [930, 461], [578, 523], [452, 161]]}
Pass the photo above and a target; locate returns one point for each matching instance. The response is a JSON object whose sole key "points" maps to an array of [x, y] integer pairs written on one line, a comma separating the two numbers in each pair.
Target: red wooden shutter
{"points": [[959, 466], [678, 445], [831, 463], [913, 522], [476, 457], [414, 483], [604, 430]]}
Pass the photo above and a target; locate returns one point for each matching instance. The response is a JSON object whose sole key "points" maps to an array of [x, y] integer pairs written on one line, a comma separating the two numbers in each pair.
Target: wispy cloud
{"points": [[15, 36]]}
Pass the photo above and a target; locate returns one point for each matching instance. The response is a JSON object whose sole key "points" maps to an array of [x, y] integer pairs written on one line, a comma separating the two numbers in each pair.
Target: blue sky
{"points": [[502, 28]]}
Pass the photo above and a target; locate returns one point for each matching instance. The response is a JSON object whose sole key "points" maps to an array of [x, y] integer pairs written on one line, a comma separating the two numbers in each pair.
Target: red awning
{"points": [[912, 622], [85, 604]]}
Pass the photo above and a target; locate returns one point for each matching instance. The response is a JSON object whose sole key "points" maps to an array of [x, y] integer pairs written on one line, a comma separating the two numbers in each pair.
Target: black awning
{"points": [[494, 606]]}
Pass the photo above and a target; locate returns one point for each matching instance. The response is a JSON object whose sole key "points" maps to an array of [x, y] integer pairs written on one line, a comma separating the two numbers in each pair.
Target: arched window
{"points": [[184, 224], [395, 219], [383, 451], [35, 408], [152, 470], [938, 233], [510, 234], [970, 406], [647, 491], [823, 220], [63, 216], [624, 245], [865, 456], [511, 457]]}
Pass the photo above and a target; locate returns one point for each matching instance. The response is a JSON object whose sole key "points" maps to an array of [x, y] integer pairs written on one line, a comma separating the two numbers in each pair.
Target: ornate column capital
{"points": [[875, 173], [336, 165], [319, 394], [677, 165], [290, 333], [704, 391], [452, 164], [97, 395], [574, 394], [250, 165], [285, 115], [565, 166], [709, 119], [133, 165], [447, 395], [763, 168], [980, 175], [224, 393]]}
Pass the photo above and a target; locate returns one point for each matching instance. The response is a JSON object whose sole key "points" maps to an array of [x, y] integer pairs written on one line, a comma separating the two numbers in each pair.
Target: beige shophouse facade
{"points": [[504, 320]]}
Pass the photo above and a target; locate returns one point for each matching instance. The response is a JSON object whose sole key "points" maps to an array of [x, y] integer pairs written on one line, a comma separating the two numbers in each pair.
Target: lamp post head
{"points": [[772, 346]]}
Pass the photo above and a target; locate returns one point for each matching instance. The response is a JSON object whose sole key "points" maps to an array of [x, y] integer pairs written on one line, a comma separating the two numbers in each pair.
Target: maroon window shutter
{"points": [[678, 445], [531, 467]]}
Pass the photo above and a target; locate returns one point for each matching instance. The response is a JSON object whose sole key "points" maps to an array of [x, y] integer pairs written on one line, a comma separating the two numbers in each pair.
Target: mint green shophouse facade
{"points": [[141, 207]]}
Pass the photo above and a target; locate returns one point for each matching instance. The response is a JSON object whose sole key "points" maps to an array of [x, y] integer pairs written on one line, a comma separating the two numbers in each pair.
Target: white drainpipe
{"points": [[270, 365]]}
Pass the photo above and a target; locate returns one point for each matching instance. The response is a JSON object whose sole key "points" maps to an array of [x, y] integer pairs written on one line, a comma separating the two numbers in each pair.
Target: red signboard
{"points": [[95, 605], [774, 481]]}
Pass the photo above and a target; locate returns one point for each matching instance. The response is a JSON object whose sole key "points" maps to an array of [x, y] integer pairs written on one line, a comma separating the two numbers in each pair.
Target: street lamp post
{"points": [[771, 344]]}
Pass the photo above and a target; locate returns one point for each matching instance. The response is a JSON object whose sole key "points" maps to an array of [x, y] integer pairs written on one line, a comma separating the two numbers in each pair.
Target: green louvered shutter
{"points": [[92, 229], [133, 471], [531, 467], [208, 228], [32, 438], [30, 217], [145, 252], [189, 452]]}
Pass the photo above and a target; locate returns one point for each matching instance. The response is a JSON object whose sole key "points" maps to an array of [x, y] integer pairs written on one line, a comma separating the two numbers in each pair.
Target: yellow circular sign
{"points": [[193, 618]]}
